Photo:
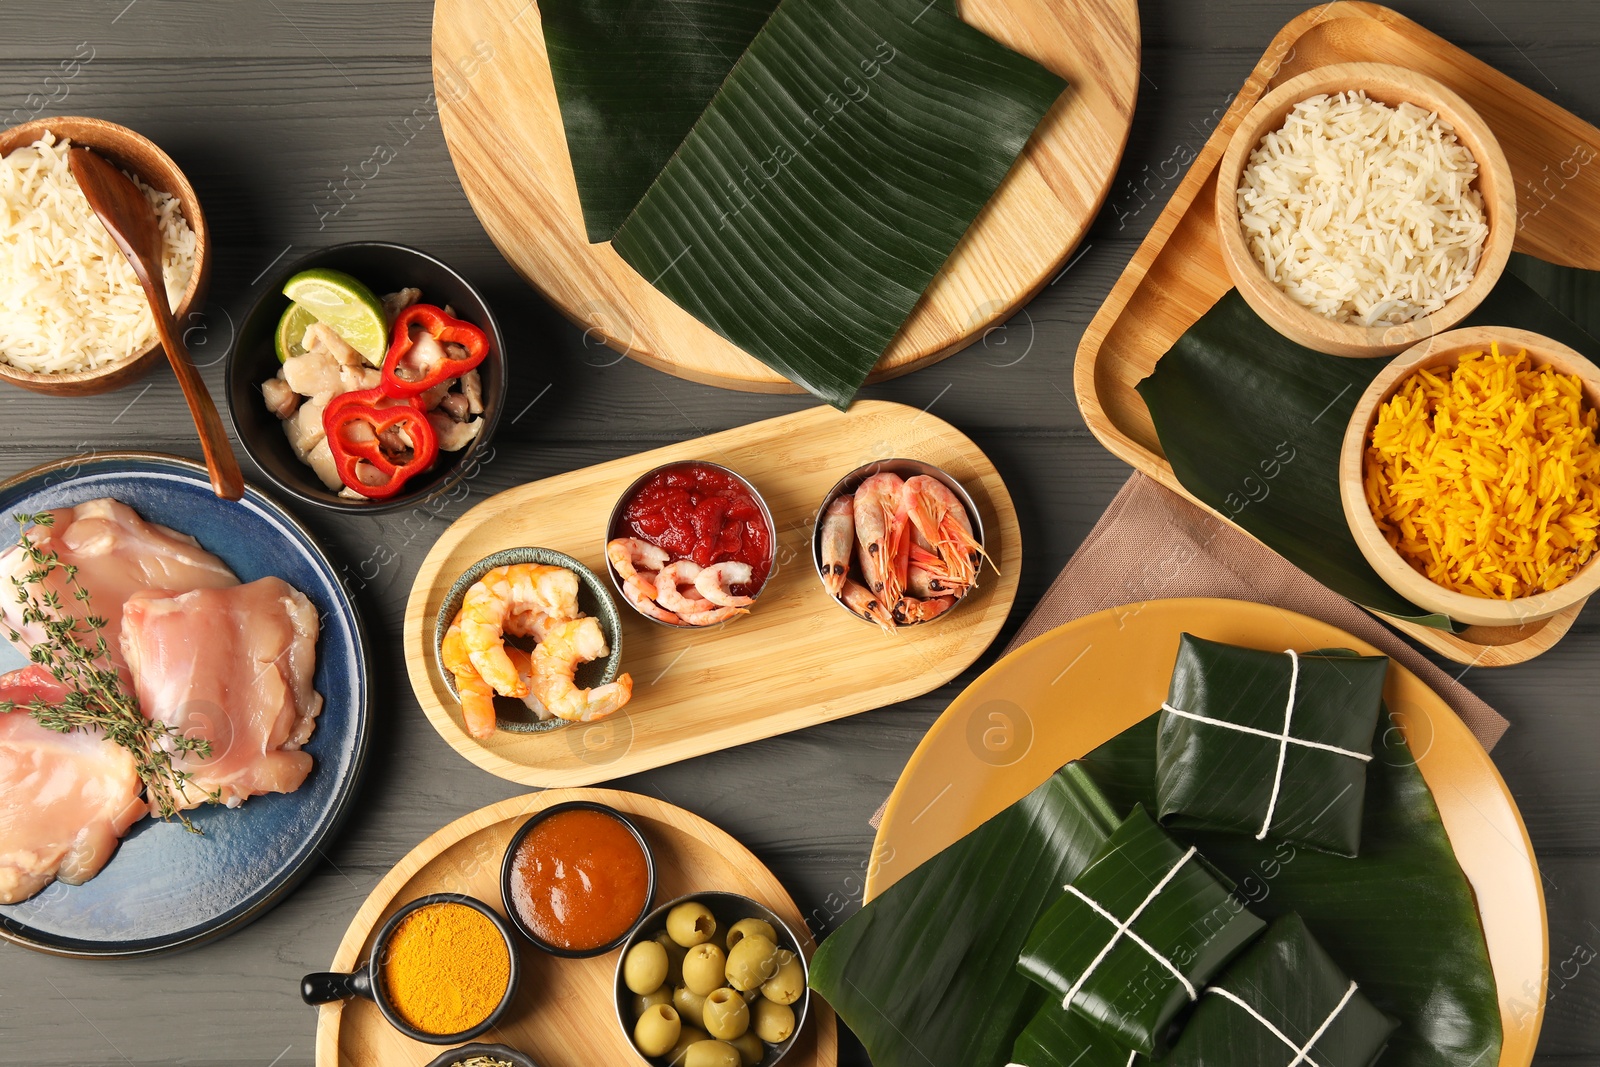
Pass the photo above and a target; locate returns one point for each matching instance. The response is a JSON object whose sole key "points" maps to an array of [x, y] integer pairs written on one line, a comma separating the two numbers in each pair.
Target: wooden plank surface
{"points": [[265, 104]]}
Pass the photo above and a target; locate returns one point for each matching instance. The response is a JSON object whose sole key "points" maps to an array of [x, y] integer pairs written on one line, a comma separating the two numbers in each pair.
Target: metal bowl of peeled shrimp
{"points": [[507, 610], [913, 515], [658, 577]]}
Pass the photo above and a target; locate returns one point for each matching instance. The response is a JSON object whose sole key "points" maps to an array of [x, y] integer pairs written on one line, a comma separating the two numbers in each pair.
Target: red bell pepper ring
{"points": [[446, 330], [355, 421]]}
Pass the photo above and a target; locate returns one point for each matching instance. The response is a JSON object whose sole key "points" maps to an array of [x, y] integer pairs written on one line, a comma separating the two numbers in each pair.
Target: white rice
{"points": [[1363, 212], [69, 301]]}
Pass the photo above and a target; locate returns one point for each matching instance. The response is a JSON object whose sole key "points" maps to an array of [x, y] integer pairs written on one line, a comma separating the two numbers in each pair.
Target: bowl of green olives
{"points": [[712, 980]]}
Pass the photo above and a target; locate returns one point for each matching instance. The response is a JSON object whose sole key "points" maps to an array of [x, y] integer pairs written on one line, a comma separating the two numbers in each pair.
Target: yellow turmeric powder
{"points": [[445, 968]]}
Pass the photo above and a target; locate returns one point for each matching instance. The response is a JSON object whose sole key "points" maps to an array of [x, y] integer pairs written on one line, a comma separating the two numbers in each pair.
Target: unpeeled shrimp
{"points": [[877, 503], [556, 661], [838, 539], [940, 518], [668, 595], [715, 584], [861, 600], [504, 599], [912, 610]]}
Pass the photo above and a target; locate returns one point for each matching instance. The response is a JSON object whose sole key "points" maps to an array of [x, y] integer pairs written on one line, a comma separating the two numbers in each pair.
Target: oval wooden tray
{"points": [[497, 106], [795, 661], [565, 1013], [951, 785], [1178, 273]]}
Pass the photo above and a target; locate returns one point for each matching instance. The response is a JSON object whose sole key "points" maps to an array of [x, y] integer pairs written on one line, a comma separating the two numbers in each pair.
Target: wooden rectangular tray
{"points": [[1178, 273], [797, 660]]}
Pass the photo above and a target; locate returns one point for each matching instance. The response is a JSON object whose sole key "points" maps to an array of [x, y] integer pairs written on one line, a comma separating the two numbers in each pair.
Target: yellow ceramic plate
{"points": [[1066, 693]]}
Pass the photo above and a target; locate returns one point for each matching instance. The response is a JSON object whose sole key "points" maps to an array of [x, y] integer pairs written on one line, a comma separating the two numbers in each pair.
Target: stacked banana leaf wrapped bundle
{"points": [[791, 174], [1255, 874]]}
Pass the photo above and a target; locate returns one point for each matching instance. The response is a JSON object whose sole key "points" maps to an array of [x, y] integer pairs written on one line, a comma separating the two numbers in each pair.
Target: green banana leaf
{"points": [[832, 175], [1289, 983], [1180, 910], [1057, 1038], [1211, 777], [632, 78], [1252, 423], [1401, 917], [926, 974]]}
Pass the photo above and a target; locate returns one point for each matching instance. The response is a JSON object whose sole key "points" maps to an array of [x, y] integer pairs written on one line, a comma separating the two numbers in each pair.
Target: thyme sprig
{"points": [[75, 652]]}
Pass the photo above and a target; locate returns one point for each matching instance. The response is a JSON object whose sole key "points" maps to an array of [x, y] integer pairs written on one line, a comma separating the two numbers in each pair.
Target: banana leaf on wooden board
{"points": [[925, 974], [1252, 422]]}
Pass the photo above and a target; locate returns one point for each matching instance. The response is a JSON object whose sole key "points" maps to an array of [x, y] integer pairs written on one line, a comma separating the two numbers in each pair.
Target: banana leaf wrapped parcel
{"points": [[1275, 745], [1137, 935]]}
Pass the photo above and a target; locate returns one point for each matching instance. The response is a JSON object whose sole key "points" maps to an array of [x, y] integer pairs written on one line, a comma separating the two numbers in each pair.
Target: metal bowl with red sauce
{"points": [[701, 512], [577, 879]]}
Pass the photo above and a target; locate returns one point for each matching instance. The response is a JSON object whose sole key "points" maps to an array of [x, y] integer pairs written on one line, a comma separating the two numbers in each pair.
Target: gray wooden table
{"points": [[270, 105]]}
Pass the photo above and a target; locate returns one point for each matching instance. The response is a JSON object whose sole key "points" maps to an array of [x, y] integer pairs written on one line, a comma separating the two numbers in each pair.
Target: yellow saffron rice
{"points": [[1485, 478]]}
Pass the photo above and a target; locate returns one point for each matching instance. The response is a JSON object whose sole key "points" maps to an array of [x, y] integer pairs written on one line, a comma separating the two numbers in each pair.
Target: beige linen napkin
{"points": [[1152, 544]]}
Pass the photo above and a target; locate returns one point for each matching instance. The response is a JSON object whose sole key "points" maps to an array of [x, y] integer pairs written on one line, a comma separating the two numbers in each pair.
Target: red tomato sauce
{"points": [[579, 879], [704, 514]]}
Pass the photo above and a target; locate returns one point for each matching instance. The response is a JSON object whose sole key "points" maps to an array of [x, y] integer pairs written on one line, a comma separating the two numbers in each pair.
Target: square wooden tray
{"points": [[1178, 273]]}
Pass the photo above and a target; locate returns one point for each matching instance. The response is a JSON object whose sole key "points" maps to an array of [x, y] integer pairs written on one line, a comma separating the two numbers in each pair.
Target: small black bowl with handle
{"points": [[478, 1050], [383, 268], [325, 987]]}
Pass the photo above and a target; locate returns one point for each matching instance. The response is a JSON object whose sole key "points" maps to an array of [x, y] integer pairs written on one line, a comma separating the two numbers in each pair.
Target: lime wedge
{"points": [[342, 302], [292, 330]]}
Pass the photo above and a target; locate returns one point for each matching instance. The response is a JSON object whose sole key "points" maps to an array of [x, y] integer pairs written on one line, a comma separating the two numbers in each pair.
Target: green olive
{"points": [[688, 1036], [789, 983], [691, 923], [644, 969], [712, 1054], [753, 960], [675, 953], [703, 968], [657, 1030], [773, 1023], [726, 1014], [751, 1050], [644, 1003], [691, 1006], [745, 927]]}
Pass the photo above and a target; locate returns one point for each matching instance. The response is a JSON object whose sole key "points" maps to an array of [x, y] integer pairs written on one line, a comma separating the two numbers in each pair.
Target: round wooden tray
{"points": [[565, 1012], [1005, 734], [497, 106]]}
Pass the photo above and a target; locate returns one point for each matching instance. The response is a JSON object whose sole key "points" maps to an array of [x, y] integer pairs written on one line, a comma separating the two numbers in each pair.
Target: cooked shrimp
{"points": [[875, 503], [838, 538], [672, 576], [924, 585], [477, 696], [523, 661], [912, 610], [505, 596], [556, 660], [859, 599], [716, 583], [940, 518], [648, 606], [712, 617], [632, 558]]}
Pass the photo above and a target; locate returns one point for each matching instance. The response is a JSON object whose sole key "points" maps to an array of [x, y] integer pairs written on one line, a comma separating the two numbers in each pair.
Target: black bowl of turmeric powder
{"points": [[443, 969]]}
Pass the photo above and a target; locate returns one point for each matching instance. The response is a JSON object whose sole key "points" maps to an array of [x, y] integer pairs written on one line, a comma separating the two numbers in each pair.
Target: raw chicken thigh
{"points": [[235, 667], [65, 799], [117, 554]]}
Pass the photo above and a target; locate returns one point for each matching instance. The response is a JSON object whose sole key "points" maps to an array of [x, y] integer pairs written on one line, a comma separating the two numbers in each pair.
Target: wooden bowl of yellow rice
{"points": [[1470, 476]]}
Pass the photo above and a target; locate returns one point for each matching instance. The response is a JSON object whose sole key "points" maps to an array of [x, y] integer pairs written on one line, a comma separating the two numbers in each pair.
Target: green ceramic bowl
{"points": [[593, 597]]}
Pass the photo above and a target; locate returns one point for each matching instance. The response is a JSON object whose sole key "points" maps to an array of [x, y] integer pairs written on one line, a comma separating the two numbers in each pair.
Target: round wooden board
{"points": [[497, 106], [1007, 733], [565, 1013]]}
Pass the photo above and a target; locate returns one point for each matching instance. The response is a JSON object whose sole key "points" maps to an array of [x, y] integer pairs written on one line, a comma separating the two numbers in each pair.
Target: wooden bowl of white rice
{"points": [[1362, 208], [73, 319]]}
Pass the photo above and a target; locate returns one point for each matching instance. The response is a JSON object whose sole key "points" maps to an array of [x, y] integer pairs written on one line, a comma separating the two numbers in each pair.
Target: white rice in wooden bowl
{"points": [[1363, 212], [69, 301]]}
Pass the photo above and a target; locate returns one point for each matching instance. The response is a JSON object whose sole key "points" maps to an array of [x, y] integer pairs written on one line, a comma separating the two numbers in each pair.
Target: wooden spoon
{"points": [[131, 220]]}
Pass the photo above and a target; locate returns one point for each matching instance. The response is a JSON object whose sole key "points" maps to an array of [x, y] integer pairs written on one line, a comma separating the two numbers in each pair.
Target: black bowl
{"points": [[497, 1052], [510, 858], [385, 268], [325, 987]]}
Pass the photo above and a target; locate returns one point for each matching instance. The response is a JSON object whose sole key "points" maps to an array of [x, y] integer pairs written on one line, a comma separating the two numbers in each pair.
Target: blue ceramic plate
{"points": [[166, 888]]}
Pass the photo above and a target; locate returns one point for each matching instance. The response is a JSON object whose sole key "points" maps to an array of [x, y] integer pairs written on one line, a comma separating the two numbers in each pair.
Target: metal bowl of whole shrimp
{"points": [[898, 542]]}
